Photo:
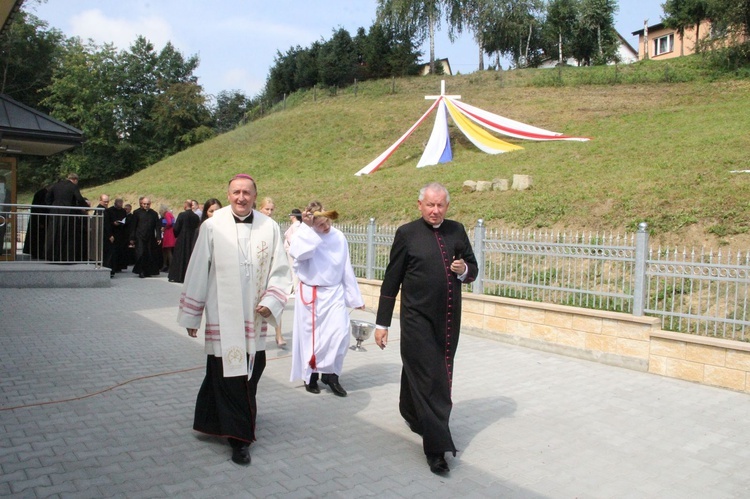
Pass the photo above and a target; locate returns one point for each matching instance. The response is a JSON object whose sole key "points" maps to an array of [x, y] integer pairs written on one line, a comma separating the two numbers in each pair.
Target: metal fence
{"points": [[41, 233], [691, 291]]}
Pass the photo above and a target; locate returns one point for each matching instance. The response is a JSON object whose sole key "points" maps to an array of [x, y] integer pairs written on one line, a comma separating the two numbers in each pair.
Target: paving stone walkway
{"points": [[97, 389]]}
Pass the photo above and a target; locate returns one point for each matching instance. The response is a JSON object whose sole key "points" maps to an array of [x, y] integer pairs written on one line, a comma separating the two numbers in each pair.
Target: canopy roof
{"points": [[24, 130]]}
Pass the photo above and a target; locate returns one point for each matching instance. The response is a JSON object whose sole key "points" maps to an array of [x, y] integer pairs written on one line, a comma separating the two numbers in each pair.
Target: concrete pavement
{"points": [[97, 390]]}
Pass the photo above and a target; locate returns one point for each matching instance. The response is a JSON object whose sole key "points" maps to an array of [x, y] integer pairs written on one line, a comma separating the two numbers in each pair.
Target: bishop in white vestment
{"points": [[238, 277]]}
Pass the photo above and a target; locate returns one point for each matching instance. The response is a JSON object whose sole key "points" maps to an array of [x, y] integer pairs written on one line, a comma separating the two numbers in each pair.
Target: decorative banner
{"points": [[466, 118], [510, 127], [377, 162], [478, 136], [438, 149]]}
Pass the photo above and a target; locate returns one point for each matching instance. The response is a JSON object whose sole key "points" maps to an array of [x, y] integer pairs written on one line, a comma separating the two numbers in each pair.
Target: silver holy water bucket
{"points": [[361, 330]]}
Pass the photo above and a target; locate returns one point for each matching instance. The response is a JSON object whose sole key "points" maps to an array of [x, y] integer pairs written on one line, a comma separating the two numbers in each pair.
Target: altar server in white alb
{"points": [[239, 277], [327, 286]]}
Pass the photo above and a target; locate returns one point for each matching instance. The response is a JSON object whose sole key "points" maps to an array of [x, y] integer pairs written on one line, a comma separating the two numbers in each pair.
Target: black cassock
{"points": [[430, 322], [35, 243], [185, 230], [146, 232], [115, 252]]}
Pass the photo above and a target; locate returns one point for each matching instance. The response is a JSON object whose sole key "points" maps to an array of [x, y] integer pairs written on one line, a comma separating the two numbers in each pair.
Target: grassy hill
{"points": [[665, 138]]}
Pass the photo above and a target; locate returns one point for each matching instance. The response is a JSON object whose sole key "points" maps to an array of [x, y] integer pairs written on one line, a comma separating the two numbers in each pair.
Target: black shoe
{"points": [[241, 454], [141, 275], [437, 463], [332, 380], [312, 386]]}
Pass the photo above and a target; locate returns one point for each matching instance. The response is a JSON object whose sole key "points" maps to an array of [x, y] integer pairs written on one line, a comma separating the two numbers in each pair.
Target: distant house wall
{"points": [[665, 43]]}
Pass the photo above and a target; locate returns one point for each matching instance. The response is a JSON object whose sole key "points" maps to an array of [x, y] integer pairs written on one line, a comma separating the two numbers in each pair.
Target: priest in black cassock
{"points": [[430, 259], [186, 231], [117, 233], [145, 234]]}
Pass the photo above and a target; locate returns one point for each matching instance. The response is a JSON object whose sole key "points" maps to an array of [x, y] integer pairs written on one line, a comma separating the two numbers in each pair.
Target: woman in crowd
{"points": [[209, 207], [167, 236]]}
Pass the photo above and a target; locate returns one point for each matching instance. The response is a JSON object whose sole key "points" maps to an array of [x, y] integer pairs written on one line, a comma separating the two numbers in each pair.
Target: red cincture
{"points": [[313, 363]]}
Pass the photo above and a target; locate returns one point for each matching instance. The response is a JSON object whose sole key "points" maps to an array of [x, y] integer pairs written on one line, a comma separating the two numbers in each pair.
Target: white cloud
{"points": [[265, 29], [241, 79], [94, 24]]}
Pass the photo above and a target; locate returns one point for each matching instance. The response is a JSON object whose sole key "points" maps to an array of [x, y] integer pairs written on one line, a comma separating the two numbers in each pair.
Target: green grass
{"points": [[664, 140]]}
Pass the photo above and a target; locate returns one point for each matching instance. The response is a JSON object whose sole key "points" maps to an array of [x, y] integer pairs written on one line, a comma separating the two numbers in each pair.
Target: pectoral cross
{"points": [[247, 265]]}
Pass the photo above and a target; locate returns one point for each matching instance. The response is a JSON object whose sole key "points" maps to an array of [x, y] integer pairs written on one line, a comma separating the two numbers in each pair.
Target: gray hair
{"points": [[435, 186]]}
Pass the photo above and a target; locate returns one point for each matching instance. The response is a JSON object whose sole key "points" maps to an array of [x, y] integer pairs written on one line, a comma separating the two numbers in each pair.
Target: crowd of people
{"points": [[238, 269]]}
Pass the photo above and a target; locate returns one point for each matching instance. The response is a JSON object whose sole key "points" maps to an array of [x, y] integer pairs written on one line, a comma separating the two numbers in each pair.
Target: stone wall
{"points": [[612, 338]]}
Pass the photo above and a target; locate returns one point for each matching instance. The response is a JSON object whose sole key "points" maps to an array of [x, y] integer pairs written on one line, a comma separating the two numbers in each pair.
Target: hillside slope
{"points": [[661, 153]]}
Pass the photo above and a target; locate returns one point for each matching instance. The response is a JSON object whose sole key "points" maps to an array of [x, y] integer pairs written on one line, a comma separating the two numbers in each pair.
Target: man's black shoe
{"points": [[332, 380], [312, 387], [437, 463], [241, 454]]}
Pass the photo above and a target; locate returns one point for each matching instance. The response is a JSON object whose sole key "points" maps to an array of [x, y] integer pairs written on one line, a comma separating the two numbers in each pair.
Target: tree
{"points": [[229, 110], [337, 60], [561, 21], [135, 107], [734, 14], [595, 40], [685, 14], [512, 29], [28, 53], [84, 94], [422, 17], [180, 117]]}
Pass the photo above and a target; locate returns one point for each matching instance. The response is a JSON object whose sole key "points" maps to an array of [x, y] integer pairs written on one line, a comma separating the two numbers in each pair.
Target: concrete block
{"points": [[500, 184], [484, 186], [521, 182], [738, 360], [682, 369], [469, 186], [667, 348], [733, 379], [705, 354]]}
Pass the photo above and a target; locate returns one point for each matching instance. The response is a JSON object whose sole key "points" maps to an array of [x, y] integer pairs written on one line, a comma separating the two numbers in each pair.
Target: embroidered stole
{"points": [[230, 271]]}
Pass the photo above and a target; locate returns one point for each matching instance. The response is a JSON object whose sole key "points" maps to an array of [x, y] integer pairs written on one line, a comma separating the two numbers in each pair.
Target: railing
{"points": [[695, 292], [41, 233]]}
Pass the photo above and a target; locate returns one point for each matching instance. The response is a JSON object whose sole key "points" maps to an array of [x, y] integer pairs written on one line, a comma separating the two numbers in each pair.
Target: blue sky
{"points": [[237, 40]]}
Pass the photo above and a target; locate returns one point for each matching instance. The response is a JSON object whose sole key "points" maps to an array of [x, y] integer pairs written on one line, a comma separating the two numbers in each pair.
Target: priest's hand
{"points": [[193, 333], [458, 266], [381, 337], [264, 312]]}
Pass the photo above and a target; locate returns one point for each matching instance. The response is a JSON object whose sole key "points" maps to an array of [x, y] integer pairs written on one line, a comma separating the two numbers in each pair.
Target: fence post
{"points": [[641, 283], [479, 231], [370, 265]]}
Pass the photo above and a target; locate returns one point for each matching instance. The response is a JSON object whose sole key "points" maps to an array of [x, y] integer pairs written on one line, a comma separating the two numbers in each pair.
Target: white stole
{"points": [[227, 255]]}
